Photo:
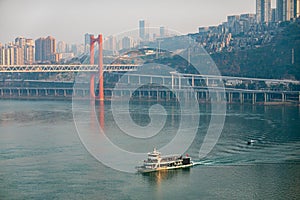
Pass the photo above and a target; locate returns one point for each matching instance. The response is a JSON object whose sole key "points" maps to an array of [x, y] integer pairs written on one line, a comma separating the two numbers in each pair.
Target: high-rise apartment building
{"points": [[297, 8], [50, 48], [110, 43], [248, 17], [142, 29], [11, 55], [280, 12], [18, 55], [61, 47], [4, 55], [45, 49], [39, 45], [290, 7], [127, 42], [29, 52], [19, 52], [287, 9], [1, 54], [258, 10], [20, 41], [273, 15], [263, 11], [76, 49], [87, 38]]}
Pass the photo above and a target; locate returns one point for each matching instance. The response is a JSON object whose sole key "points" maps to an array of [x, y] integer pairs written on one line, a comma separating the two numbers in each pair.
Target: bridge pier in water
{"points": [[253, 98], [241, 97]]}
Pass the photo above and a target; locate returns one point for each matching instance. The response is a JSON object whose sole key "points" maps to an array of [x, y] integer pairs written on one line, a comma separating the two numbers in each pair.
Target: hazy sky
{"points": [[69, 20]]}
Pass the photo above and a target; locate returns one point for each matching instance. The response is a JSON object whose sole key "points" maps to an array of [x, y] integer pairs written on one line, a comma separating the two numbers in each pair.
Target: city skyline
{"points": [[69, 20], [45, 48]]}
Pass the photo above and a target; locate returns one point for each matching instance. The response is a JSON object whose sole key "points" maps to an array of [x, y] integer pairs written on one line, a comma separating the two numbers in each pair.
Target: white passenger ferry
{"points": [[156, 162]]}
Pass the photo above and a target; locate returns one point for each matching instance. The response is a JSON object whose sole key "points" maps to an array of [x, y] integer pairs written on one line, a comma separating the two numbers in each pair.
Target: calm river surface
{"points": [[42, 157]]}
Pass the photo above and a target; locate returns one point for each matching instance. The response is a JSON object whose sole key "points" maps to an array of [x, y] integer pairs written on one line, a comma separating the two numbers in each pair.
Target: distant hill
{"points": [[270, 61]]}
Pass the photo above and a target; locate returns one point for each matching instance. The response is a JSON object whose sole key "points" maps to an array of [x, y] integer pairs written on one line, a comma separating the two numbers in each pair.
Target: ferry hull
{"points": [[145, 170]]}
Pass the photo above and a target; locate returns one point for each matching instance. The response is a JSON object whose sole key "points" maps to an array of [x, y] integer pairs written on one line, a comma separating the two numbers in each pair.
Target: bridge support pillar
{"points": [[92, 87], [265, 97], [282, 97], [98, 40], [241, 97], [218, 97], [173, 82], [206, 96], [229, 97], [253, 98], [193, 81]]}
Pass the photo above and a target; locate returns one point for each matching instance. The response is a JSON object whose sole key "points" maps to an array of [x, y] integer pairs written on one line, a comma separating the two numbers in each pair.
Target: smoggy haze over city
{"points": [[69, 20]]}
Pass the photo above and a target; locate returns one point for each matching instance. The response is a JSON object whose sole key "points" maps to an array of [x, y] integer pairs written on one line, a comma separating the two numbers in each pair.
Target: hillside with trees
{"points": [[274, 60]]}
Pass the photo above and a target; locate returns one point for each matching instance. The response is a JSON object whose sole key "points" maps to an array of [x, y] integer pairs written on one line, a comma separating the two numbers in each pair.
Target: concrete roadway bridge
{"points": [[158, 88], [205, 87], [202, 84], [159, 94]]}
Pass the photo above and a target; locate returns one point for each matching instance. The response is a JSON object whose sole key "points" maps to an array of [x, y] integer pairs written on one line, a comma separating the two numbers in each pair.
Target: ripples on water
{"points": [[41, 156], [274, 130]]}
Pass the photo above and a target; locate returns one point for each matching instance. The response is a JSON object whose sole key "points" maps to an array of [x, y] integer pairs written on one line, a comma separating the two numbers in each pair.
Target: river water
{"points": [[42, 156]]}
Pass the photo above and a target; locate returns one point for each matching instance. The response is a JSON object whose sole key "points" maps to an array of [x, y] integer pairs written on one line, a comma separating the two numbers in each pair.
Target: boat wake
{"points": [[199, 163]]}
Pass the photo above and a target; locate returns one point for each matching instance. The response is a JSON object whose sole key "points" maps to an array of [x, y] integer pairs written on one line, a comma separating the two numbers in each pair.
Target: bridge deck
{"points": [[66, 68]]}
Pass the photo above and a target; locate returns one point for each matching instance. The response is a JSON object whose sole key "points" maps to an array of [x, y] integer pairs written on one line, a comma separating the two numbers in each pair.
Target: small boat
{"points": [[156, 162], [250, 142]]}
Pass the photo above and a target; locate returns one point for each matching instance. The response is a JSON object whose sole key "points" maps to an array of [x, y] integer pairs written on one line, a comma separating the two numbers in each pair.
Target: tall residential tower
{"points": [[263, 11], [297, 10], [287, 9], [142, 29], [45, 49]]}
